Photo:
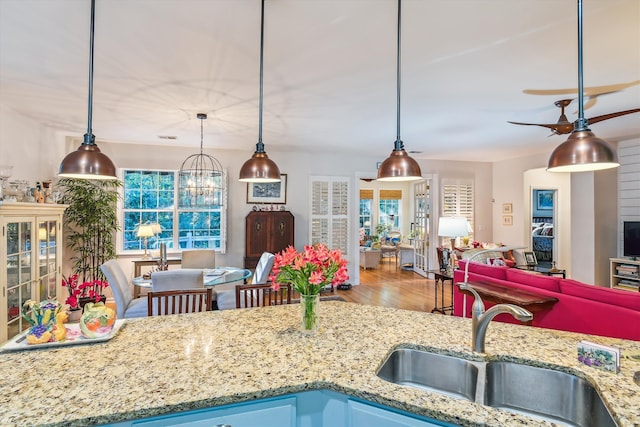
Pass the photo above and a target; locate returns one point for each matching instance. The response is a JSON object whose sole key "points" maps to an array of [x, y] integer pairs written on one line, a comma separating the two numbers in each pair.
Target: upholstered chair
{"points": [[126, 305], [227, 294], [198, 258]]}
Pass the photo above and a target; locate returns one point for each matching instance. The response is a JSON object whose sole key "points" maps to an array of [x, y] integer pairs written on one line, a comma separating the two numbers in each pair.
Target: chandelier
{"points": [[201, 179]]}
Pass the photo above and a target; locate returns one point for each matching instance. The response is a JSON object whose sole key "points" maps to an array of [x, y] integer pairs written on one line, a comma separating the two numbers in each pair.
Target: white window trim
{"points": [[120, 209]]}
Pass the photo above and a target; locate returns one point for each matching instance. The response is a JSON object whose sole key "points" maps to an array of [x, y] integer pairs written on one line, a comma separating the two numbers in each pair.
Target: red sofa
{"points": [[582, 308]]}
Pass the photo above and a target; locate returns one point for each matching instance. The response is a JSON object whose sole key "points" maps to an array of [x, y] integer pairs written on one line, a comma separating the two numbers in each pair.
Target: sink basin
{"points": [[449, 375], [538, 393], [545, 393]]}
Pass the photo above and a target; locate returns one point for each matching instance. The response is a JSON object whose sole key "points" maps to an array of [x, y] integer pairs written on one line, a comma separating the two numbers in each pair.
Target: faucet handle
{"points": [[478, 304]]}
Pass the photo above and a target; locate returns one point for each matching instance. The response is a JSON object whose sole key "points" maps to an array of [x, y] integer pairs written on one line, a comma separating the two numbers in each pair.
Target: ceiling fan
{"points": [[591, 93], [563, 126]]}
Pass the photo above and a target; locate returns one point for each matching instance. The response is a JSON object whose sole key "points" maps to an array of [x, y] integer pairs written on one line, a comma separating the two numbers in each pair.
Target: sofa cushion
{"points": [[480, 255], [498, 272], [503, 262], [534, 280], [617, 297]]}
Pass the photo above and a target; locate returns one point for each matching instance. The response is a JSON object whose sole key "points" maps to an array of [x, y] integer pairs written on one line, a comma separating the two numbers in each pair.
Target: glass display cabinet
{"points": [[31, 258]]}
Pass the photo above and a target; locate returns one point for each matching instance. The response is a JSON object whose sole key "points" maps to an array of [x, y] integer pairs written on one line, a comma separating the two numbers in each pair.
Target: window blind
{"points": [[366, 194], [390, 194], [330, 212], [457, 199]]}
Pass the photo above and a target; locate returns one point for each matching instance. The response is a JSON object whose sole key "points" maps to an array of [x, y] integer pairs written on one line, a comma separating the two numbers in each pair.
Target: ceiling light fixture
{"points": [[582, 151], [201, 178], [260, 168], [87, 162], [399, 166]]}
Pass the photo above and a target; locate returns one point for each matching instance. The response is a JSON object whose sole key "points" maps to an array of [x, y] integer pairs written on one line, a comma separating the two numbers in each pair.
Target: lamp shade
{"points": [[399, 166], [451, 226], [145, 230], [581, 152], [259, 168], [87, 162]]}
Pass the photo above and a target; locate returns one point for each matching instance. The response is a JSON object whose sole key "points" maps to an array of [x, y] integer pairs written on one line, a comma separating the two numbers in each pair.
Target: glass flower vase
{"points": [[309, 321]]}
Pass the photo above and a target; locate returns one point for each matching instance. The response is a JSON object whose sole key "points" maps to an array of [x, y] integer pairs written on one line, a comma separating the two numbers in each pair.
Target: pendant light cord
{"points": [[581, 123], [89, 138], [260, 145], [398, 144], [201, 117]]}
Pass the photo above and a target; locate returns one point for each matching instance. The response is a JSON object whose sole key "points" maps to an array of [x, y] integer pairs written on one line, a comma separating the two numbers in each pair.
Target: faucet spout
{"points": [[480, 323], [481, 318]]}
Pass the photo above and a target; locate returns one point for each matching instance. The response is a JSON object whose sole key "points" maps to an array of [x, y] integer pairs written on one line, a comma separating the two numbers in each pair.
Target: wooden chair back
{"points": [[179, 301], [262, 295]]}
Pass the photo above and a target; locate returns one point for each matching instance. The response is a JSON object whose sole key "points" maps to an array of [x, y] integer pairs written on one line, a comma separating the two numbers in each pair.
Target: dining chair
{"points": [[263, 269], [198, 258], [182, 278], [179, 301], [126, 305], [226, 293], [262, 295]]}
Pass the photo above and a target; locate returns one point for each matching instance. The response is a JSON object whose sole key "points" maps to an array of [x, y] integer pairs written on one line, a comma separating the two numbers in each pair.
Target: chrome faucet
{"points": [[481, 318]]}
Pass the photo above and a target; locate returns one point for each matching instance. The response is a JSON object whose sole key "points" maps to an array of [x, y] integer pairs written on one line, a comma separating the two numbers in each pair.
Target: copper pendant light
{"points": [[260, 168], [399, 166], [87, 162], [582, 151]]}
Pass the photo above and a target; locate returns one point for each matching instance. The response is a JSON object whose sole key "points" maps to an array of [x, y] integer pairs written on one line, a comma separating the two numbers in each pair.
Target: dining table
{"points": [[212, 277]]}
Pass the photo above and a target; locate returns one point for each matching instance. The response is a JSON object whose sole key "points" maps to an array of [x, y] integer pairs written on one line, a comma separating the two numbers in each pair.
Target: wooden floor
{"points": [[398, 289]]}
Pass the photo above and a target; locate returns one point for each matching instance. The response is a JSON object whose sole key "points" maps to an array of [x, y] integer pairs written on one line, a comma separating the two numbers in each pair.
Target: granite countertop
{"points": [[173, 363]]}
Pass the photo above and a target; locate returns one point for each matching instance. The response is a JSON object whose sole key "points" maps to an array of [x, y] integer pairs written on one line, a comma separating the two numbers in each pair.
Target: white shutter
{"points": [[330, 212], [457, 199]]}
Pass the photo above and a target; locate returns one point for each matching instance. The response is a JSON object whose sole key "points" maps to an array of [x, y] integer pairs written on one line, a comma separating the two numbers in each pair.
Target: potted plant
{"points": [[90, 224], [82, 293]]}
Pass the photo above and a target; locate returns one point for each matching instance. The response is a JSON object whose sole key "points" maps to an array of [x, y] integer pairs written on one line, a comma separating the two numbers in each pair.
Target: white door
{"points": [[421, 214]]}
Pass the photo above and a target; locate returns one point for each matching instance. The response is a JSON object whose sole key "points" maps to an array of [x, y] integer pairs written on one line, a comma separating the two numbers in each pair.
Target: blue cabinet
{"points": [[277, 412], [364, 415], [317, 408]]}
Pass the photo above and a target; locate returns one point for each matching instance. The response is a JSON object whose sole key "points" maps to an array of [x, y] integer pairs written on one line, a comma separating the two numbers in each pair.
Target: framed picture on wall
{"points": [[530, 258], [507, 220], [507, 208], [268, 192], [544, 200]]}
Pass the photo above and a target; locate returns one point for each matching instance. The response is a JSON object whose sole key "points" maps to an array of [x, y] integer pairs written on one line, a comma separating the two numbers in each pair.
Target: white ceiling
{"points": [[329, 71]]}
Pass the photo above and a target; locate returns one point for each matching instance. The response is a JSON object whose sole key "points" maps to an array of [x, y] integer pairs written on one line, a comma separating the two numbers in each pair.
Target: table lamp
{"points": [[452, 227], [145, 231]]}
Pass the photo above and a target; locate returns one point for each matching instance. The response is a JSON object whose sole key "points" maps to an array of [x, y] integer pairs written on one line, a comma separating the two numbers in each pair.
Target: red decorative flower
{"points": [[310, 270], [92, 289]]}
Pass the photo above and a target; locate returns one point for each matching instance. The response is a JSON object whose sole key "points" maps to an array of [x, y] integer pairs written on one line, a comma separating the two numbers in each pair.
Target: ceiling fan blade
{"points": [[588, 91], [597, 119], [557, 128]]}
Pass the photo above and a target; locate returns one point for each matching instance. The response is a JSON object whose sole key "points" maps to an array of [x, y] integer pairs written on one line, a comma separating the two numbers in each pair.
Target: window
{"points": [[149, 196], [390, 205], [366, 201]]}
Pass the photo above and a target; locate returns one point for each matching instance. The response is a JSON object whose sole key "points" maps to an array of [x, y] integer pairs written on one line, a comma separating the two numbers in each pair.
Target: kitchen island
{"points": [[168, 364]]}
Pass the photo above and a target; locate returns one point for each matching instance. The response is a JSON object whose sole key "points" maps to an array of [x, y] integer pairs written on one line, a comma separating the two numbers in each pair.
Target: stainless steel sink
{"points": [[535, 392], [431, 371], [545, 393]]}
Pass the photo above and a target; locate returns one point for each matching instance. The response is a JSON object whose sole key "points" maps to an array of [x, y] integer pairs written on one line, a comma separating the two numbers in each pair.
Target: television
{"points": [[631, 239]]}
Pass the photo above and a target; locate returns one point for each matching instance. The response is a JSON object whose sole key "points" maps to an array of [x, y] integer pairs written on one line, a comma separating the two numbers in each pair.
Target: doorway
{"points": [[543, 224]]}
